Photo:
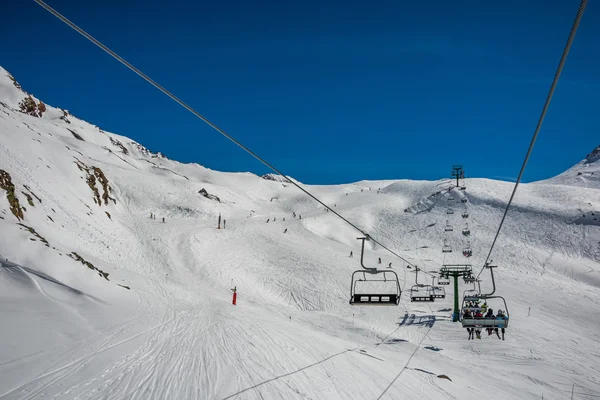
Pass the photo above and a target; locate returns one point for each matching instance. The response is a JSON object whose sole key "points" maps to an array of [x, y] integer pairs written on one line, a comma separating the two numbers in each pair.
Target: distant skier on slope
{"points": [[285, 231], [379, 261], [351, 255]]}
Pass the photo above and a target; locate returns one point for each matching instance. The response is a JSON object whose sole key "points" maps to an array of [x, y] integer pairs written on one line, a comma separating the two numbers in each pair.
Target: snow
{"points": [[68, 333]]}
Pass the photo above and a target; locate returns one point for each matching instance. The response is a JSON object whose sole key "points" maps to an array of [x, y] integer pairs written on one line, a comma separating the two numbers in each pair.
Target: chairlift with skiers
{"points": [[466, 231]]}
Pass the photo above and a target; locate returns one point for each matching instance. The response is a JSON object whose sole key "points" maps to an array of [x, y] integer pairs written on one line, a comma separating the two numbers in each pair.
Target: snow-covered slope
{"points": [[100, 301], [585, 173]]}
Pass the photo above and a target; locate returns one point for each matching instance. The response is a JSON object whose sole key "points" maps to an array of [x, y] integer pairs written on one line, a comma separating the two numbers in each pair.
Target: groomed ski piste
{"points": [[100, 301]]}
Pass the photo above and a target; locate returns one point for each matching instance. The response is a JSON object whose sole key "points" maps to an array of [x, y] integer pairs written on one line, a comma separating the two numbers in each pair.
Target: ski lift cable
{"points": [[559, 69], [203, 118]]}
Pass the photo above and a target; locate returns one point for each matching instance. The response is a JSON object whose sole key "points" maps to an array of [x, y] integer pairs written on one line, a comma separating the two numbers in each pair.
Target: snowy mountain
{"points": [[99, 301], [586, 173]]}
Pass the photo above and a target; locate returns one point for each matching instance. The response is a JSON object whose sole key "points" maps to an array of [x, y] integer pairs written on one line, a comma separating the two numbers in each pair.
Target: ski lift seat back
{"points": [[375, 300]]}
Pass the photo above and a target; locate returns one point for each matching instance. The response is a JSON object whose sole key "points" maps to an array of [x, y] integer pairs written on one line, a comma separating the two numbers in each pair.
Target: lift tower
{"points": [[456, 271], [457, 172]]}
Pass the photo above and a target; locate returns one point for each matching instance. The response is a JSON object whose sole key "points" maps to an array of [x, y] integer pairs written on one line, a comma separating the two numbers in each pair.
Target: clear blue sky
{"points": [[328, 91]]}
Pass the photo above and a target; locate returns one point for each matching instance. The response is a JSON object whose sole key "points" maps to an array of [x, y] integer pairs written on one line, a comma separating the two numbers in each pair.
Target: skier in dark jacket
{"points": [[468, 315]]}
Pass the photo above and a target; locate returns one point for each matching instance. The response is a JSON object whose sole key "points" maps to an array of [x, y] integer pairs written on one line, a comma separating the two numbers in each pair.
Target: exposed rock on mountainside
{"points": [[95, 174], [13, 201], [204, 193]]}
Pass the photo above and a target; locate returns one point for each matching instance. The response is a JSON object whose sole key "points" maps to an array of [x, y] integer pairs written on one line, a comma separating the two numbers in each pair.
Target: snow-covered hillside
{"points": [[100, 301], [585, 173]]}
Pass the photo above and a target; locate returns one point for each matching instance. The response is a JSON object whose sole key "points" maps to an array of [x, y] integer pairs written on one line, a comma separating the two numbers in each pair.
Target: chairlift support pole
{"points": [[457, 172], [456, 271]]}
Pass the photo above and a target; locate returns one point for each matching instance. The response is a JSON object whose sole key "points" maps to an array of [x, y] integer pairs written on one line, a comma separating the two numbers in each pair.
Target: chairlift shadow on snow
{"points": [[412, 319]]}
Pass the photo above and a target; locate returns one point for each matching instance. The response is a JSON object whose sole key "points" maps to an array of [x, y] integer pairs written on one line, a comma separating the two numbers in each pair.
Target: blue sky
{"points": [[327, 91]]}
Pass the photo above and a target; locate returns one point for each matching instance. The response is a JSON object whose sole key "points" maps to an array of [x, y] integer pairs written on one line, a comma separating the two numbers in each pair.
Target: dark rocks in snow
{"points": [[30, 107], [593, 156], [204, 193], [13, 201], [119, 145], [275, 178]]}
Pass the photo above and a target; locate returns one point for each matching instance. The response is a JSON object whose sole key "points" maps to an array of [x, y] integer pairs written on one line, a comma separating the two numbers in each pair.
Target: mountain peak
{"points": [[593, 156]]}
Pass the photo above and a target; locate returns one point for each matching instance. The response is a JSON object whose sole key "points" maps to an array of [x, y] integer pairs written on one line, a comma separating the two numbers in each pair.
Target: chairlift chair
{"points": [[463, 188], [389, 297], [451, 198], [466, 231], [446, 248], [443, 281], [449, 211], [438, 291], [448, 227], [463, 200], [485, 322], [420, 292], [465, 214]]}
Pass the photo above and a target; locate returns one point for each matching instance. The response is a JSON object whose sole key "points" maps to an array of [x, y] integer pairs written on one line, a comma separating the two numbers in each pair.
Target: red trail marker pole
{"points": [[234, 300]]}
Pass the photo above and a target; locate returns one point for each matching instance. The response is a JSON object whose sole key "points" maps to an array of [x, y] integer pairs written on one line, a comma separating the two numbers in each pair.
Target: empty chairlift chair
{"points": [[373, 287], [446, 248], [463, 200], [449, 210], [420, 292], [448, 227], [466, 231], [438, 291]]}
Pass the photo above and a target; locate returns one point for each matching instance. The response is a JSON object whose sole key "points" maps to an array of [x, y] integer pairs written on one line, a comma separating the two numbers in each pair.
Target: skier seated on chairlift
{"points": [[478, 315], [490, 314], [500, 315], [468, 315]]}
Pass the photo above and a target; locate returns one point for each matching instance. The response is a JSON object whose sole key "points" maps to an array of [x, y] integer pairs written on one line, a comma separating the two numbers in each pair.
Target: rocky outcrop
{"points": [[204, 193], [13, 201]]}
